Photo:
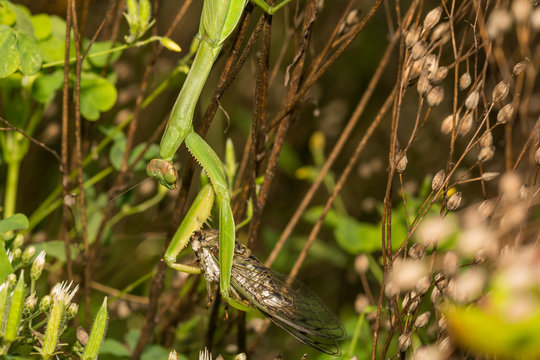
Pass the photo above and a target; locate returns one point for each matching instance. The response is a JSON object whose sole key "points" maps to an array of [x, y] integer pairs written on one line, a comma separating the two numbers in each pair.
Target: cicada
{"points": [[290, 304]]}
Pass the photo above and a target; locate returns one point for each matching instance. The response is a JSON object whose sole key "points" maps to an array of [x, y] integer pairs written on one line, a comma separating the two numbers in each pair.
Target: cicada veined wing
{"points": [[287, 302]]}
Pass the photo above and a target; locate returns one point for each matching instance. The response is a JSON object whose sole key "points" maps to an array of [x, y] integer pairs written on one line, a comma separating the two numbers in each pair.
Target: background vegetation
{"points": [[392, 147]]}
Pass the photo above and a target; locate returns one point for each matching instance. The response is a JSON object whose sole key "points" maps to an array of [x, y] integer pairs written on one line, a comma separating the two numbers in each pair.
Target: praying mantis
{"points": [[218, 19], [285, 301]]}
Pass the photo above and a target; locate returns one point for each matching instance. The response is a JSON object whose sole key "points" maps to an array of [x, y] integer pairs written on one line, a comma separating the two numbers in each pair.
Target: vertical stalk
{"points": [[11, 186]]}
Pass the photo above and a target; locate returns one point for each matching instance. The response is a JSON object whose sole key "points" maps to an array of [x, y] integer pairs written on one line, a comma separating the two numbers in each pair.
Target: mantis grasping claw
{"points": [[218, 20]]}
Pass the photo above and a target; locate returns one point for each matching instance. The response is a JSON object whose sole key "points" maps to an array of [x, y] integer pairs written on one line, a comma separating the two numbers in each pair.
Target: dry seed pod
{"points": [[439, 75], [416, 68], [440, 31], [535, 19], [436, 295], [438, 180], [401, 162], [520, 66], [450, 263], [486, 153], [435, 96], [412, 36], [391, 290], [360, 303], [486, 139], [488, 176], [422, 320], [465, 81], [418, 50], [505, 114], [498, 23], [430, 65], [466, 124], [454, 201], [404, 342], [448, 124], [432, 18], [361, 264], [522, 10], [472, 100], [423, 85], [423, 284], [537, 156], [500, 91], [486, 208], [417, 251]]}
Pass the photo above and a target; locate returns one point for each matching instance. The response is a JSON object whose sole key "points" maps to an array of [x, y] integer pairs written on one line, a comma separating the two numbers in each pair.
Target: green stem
{"points": [[130, 210], [12, 182], [356, 335]]}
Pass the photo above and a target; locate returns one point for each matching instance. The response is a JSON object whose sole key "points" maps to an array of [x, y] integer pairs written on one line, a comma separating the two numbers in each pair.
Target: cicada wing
{"points": [[327, 346], [286, 301]]}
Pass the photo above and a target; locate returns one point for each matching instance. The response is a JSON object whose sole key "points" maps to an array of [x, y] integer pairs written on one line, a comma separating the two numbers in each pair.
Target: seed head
{"points": [[500, 91], [509, 186], [448, 124], [404, 342], [472, 100], [18, 241], [522, 10], [29, 304], [82, 336], [11, 281], [469, 285], [466, 124], [520, 66], [445, 345], [454, 201], [416, 68], [505, 114], [435, 96], [431, 64], [537, 156], [430, 352], [450, 263], [488, 176], [535, 19], [361, 264], [412, 36], [360, 303], [422, 320], [45, 303], [423, 284], [16, 254], [37, 266], [432, 18], [401, 162], [486, 139], [465, 81], [486, 208], [434, 230], [486, 153], [498, 23], [28, 254], [406, 273], [441, 31], [436, 295], [391, 290], [439, 75], [417, 251], [423, 85], [442, 324], [475, 239], [418, 50], [72, 310], [438, 180]]}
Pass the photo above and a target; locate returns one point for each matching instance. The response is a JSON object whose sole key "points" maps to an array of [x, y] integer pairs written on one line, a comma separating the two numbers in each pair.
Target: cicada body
{"points": [[290, 304]]}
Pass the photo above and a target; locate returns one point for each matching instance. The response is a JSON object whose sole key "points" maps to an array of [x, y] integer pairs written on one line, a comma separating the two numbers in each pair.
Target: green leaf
{"points": [[102, 60], [97, 334], [132, 337], [8, 51], [116, 155], [14, 222], [53, 46], [24, 22], [97, 95], [5, 265], [7, 16], [56, 249], [45, 86], [114, 348], [42, 26], [30, 58]]}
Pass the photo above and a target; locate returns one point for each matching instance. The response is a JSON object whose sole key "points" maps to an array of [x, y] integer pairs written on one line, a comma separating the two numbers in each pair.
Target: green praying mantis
{"points": [[218, 20]]}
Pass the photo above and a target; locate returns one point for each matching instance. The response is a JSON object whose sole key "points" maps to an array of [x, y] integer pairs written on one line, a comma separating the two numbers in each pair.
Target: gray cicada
{"points": [[287, 302]]}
